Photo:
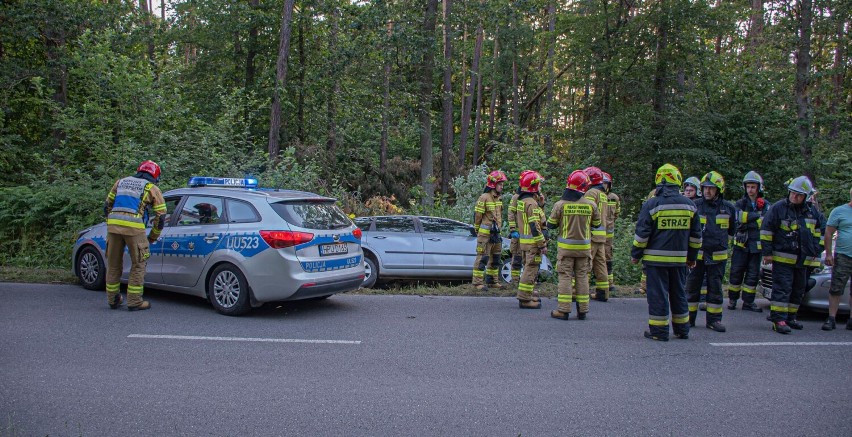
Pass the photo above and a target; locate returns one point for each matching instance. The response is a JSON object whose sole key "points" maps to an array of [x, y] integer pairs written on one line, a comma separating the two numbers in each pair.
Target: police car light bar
{"points": [[206, 181]]}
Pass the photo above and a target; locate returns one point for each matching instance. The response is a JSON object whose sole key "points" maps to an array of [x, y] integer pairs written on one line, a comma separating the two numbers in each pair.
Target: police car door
{"points": [[154, 272], [189, 242]]}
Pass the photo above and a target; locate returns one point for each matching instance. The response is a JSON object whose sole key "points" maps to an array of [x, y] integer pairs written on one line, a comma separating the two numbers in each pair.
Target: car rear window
{"points": [[312, 215]]}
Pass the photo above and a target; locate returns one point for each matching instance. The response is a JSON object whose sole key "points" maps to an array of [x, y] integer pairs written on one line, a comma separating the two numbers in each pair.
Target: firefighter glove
{"points": [[741, 237], [514, 234]]}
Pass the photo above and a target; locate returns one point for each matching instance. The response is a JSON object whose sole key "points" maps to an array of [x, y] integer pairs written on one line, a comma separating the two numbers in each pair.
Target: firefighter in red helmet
{"points": [[488, 216], [126, 209], [596, 194], [532, 237]]}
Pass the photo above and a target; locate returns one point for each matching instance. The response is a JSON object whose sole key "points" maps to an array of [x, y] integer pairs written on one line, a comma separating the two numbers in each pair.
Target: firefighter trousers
{"points": [[713, 273], [666, 291], [486, 265], [599, 270], [568, 268], [517, 259], [745, 274], [788, 288], [532, 261], [137, 246]]}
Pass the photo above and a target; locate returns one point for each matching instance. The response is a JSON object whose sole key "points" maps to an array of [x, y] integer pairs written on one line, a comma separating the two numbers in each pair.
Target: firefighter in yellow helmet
{"points": [[532, 238], [487, 218], [573, 217], [596, 194], [126, 210]]}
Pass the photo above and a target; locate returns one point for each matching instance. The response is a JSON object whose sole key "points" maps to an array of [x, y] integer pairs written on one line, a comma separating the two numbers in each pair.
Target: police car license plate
{"points": [[333, 249]]}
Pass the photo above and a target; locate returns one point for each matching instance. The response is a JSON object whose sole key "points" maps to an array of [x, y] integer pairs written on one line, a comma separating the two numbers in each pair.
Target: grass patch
{"points": [[37, 275]]}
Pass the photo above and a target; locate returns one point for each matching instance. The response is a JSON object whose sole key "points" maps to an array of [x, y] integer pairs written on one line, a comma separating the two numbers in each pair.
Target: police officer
{"points": [[532, 237], [126, 211], [597, 195], [668, 236], [791, 236], [487, 218], [614, 209], [717, 217], [745, 261], [572, 218]]}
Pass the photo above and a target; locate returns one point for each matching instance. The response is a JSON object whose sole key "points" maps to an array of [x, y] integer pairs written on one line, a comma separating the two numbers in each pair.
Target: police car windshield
{"points": [[312, 215]]}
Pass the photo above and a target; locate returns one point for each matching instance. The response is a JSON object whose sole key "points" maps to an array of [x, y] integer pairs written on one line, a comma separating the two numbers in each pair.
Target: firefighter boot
{"points": [[114, 300], [650, 336], [793, 323], [716, 326], [732, 304], [781, 327], [529, 304], [562, 311], [692, 316], [752, 307], [135, 302]]}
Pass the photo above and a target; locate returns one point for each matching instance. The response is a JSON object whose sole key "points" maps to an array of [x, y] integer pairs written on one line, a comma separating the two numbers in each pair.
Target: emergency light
{"points": [[206, 181]]}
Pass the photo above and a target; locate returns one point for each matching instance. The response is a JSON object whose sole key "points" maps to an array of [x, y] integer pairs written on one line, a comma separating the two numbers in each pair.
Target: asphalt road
{"points": [[404, 365]]}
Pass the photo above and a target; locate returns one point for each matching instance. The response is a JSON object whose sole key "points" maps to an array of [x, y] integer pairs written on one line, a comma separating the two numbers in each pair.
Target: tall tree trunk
{"points": [[334, 88], [252, 46], [661, 71], [447, 105], [383, 147], [426, 160], [144, 6], [478, 126], [755, 26], [303, 66], [803, 65], [837, 96], [163, 10], [494, 84], [54, 37], [548, 101], [515, 96], [280, 80], [474, 86]]}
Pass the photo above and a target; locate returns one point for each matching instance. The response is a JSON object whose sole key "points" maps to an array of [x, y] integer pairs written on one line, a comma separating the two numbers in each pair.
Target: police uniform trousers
{"points": [[788, 288], [713, 274], [568, 268], [745, 274], [138, 248], [666, 291], [532, 261], [486, 265], [599, 270]]}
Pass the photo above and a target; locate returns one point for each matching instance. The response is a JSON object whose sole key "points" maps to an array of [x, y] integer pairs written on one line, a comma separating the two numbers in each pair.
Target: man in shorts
{"points": [[840, 221]]}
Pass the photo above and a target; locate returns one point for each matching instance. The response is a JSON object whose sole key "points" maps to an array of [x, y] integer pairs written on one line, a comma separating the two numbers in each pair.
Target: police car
{"points": [[240, 246]]}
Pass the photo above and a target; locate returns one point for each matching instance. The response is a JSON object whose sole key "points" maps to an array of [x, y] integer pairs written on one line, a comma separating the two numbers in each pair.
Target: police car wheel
{"points": [[371, 273], [91, 269], [228, 291]]}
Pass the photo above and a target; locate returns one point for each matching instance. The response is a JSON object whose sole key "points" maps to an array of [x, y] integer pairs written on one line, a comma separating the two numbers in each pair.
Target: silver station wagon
{"points": [[423, 247], [240, 246]]}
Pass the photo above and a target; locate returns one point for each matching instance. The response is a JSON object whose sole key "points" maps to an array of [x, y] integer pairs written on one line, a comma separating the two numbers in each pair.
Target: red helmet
{"points": [[531, 181], [151, 168], [578, 181], [607, 178], [494, 178], [595, 174]]}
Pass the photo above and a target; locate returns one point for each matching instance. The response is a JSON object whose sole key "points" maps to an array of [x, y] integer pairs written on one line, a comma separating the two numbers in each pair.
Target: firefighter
{"points": [[514, 238], [792, 240], [668, 236], [692, 191], [488, 216], [614, 208], [532, 237], [126, 210], [718, 220], [596, 194], [643, 283], [573, 216], [745, 260]]}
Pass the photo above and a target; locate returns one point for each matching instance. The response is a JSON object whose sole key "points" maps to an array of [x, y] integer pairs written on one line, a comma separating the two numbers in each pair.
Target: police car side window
{"points": [[241, 212], [200, 210]]}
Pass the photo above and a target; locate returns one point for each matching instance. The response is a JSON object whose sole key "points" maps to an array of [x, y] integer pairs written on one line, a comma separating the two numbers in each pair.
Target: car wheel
{"points": [[91, 269], [228, 290], [506, 271], [371, 273]]}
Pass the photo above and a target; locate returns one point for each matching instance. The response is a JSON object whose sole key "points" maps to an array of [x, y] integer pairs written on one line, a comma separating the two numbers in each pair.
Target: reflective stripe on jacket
{"points": [[793, 234], [668, 232], [718, 224]]}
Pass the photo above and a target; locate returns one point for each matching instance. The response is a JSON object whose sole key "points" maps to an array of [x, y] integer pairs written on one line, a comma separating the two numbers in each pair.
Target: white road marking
{"points": [[786, 343], [261, 340]]}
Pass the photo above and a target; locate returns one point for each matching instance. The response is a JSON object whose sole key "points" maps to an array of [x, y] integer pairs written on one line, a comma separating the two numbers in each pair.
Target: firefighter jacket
{"points": [[488, 212], [793, 234], [528, 216], [126, 207], [718, 224], [613, 209], [668, 231], [597, 195], [573, 217], [513, 209], [749, 218]]}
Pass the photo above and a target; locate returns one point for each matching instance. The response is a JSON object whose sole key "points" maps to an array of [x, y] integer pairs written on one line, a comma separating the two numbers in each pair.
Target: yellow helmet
{"points": [[714, 179], [668, 174]]}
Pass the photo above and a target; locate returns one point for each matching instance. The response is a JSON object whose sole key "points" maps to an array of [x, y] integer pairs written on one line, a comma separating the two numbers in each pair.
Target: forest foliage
{"points": [[89, 88]]}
